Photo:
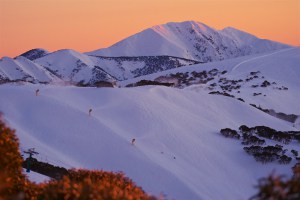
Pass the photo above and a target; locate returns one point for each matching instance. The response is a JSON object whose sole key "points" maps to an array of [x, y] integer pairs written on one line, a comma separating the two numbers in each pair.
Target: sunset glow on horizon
{"points": [[86, 25]]}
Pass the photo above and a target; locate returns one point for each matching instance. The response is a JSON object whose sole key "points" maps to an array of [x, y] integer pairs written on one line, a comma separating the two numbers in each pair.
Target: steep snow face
{"points": [[35, 54], [10, 69], [191, 40], [23, 69], [178, 148], [35, 70], [73, 66]]}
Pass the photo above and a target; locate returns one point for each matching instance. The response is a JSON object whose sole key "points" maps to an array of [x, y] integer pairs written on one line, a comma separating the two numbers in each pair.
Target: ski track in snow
{"points": [[258, 57]]}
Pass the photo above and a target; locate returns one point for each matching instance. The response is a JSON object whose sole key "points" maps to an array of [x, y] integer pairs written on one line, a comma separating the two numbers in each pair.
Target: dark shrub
{"points": [[244, 128], [273, 149], [253, 149], [294, 152], [227, 132], [148, 82], [285, 159], [265, 84], [240, 99], [265, 157], [247, 140]]}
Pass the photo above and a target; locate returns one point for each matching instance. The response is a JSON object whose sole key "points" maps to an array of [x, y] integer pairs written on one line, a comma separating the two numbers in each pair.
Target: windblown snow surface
{"points": [[178, 149]]}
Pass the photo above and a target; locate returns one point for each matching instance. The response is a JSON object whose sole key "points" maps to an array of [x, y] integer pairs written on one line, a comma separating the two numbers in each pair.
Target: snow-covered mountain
{"points": [[190, 40], [77, 68], [178, 148], [35, 54], [156, 49], [22, 69], [73, 67]]}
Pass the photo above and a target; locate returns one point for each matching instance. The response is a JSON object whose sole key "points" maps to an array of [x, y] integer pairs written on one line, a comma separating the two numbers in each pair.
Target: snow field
{"points": [[178, 150]]}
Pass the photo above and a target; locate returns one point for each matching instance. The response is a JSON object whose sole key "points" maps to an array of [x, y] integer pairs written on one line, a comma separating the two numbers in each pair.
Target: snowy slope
{"points": [[10, 69], [178, 150], [249, 43], [280, 68], [23, 69], [191, 40], [73, 67]]}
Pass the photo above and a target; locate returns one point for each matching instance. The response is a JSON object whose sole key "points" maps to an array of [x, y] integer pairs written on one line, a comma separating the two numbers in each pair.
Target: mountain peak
{"points": [[188, 23], [179, 26], [191, 40], [67, 52], [35, 53]]}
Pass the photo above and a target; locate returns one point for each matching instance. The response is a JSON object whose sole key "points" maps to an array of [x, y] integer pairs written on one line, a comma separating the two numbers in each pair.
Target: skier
{"points": [[132, 141]]}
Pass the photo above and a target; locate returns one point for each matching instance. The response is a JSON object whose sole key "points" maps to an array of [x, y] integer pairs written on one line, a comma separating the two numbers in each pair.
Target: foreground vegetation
{"points": [[280, 187]]}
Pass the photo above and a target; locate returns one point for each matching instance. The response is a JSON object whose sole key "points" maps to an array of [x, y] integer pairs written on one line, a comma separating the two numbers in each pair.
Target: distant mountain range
{"points": [[155, 49]]}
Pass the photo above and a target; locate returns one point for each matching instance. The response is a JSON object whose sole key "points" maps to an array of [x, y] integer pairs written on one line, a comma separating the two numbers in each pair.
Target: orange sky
{"points": [[86, 25]]}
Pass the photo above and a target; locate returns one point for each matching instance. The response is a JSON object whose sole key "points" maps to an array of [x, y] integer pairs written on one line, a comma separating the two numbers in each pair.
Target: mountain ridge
{"points": [[159, 48], [35, 53], [191, 40], [69, 66]]}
